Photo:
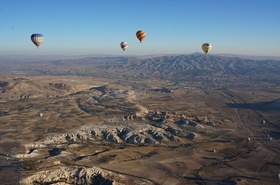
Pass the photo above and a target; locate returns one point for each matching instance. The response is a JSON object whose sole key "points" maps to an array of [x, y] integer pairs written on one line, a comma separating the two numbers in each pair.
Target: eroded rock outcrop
{"points": [[81, 175], [126, 133], [68, 175]]}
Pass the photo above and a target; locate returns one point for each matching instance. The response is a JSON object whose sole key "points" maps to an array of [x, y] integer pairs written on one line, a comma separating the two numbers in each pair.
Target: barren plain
{"points": [[178, 120]]}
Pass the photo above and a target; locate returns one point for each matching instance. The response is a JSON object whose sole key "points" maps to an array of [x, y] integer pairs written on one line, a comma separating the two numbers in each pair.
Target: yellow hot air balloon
{"points": [[124, 45], [37, 39], [141, 34], [206, 47]]}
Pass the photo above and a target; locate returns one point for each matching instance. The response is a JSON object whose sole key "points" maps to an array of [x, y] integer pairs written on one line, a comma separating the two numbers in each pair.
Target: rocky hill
{"points": [[19, 88]]}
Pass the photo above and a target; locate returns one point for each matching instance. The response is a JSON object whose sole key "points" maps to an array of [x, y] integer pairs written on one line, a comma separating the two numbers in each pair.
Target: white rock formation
{"points": [[81, 175], [69, 175]]}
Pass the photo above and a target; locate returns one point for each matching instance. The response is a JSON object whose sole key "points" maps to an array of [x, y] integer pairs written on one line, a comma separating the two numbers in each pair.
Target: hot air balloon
{"points": [[124, 45], [141, 35], [37, 39], [206, 47]]}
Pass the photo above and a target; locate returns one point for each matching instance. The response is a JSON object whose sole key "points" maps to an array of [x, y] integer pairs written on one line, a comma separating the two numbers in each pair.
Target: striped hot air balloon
{"points": [[206, 47], [124, 45], [37, 39], [141, 34]]}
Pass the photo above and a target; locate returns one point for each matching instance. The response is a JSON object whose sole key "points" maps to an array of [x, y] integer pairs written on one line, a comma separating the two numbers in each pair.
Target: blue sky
{"points": [[78, 27]]}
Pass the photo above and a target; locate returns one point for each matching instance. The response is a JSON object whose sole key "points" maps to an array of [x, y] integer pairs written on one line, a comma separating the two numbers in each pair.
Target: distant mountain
{"points": [[195, 67], [251, 56]]}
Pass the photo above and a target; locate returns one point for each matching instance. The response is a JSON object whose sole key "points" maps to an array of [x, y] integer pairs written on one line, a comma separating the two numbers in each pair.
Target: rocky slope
{"points": [[79, 175], [126, 132]]}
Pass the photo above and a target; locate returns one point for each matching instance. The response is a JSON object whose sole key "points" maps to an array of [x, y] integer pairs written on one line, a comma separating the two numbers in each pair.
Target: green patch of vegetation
{"points": [[28, 164], [152, 153], [106, 159], [52, 182], [218, 133], [271, 90], [231, 153]]}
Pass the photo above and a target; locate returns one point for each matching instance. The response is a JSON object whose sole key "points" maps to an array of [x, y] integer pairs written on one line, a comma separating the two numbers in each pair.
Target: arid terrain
{"points": [[188, 119]]}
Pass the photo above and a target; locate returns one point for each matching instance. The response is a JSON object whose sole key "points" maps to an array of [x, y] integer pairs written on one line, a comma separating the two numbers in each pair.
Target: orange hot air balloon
{"points": [[141, 34]]}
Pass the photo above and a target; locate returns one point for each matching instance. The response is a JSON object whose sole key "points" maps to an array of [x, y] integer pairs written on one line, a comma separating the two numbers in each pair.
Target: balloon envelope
{"points": [[124, 45], [206, 47], [141, 34], [37, 39]]}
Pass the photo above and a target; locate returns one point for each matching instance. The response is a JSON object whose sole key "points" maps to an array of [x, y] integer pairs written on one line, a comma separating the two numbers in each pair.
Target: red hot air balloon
{"points": [[141, 34]]}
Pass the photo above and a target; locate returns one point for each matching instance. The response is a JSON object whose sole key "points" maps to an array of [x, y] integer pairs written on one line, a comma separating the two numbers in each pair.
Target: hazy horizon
{"points": [[144, 55]]}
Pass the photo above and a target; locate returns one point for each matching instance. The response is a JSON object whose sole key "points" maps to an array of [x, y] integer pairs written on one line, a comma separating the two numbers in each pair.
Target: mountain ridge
{"points": [[196, 67]]}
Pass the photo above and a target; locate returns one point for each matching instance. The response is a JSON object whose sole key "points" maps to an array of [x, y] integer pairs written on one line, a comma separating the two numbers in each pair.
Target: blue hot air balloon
{"points": [[37, 39]]}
